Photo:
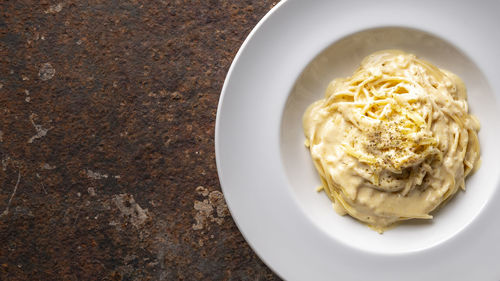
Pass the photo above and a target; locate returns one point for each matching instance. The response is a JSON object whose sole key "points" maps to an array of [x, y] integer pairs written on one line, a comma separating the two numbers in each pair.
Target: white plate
{"points": [[267, 175]]}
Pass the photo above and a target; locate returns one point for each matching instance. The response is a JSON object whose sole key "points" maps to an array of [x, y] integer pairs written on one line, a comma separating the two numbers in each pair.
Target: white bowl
{"points": [[267, 175]]}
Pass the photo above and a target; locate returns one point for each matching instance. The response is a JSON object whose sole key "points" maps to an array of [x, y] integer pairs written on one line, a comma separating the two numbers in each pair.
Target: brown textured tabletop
{"points": [[107, 115]]}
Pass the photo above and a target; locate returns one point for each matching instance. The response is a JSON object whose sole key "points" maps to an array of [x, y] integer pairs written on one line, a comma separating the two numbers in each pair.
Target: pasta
{"points": [[394, 141]]}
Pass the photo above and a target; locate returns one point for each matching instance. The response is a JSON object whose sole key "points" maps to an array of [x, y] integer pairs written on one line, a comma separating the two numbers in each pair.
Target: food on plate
{"points": [[394, 141]]}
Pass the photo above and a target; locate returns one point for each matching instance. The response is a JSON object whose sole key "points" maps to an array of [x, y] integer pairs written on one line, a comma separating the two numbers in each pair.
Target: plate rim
{"points": [[218, 136]]}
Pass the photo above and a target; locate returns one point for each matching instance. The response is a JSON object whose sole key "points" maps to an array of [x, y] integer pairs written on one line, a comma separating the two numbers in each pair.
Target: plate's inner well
{"points": [[340, 60]]}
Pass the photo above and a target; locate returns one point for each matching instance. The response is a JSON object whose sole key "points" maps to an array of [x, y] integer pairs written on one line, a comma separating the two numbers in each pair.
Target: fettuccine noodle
{"points": [[394, 141]]}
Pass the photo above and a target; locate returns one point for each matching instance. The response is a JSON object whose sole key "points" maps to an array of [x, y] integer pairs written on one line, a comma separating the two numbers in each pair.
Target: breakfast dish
{"points": [[394, 141]]}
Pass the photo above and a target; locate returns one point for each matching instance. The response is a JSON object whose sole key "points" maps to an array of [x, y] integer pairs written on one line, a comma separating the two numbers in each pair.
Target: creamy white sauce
{"points": [[394, 141]]}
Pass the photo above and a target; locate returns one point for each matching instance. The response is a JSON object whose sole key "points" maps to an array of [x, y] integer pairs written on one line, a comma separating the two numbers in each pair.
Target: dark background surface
{"points": [[107, 115]]}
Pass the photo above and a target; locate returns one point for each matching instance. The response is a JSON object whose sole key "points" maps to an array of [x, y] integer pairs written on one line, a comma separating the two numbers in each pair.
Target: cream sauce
{"points": [[394, 141]]}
